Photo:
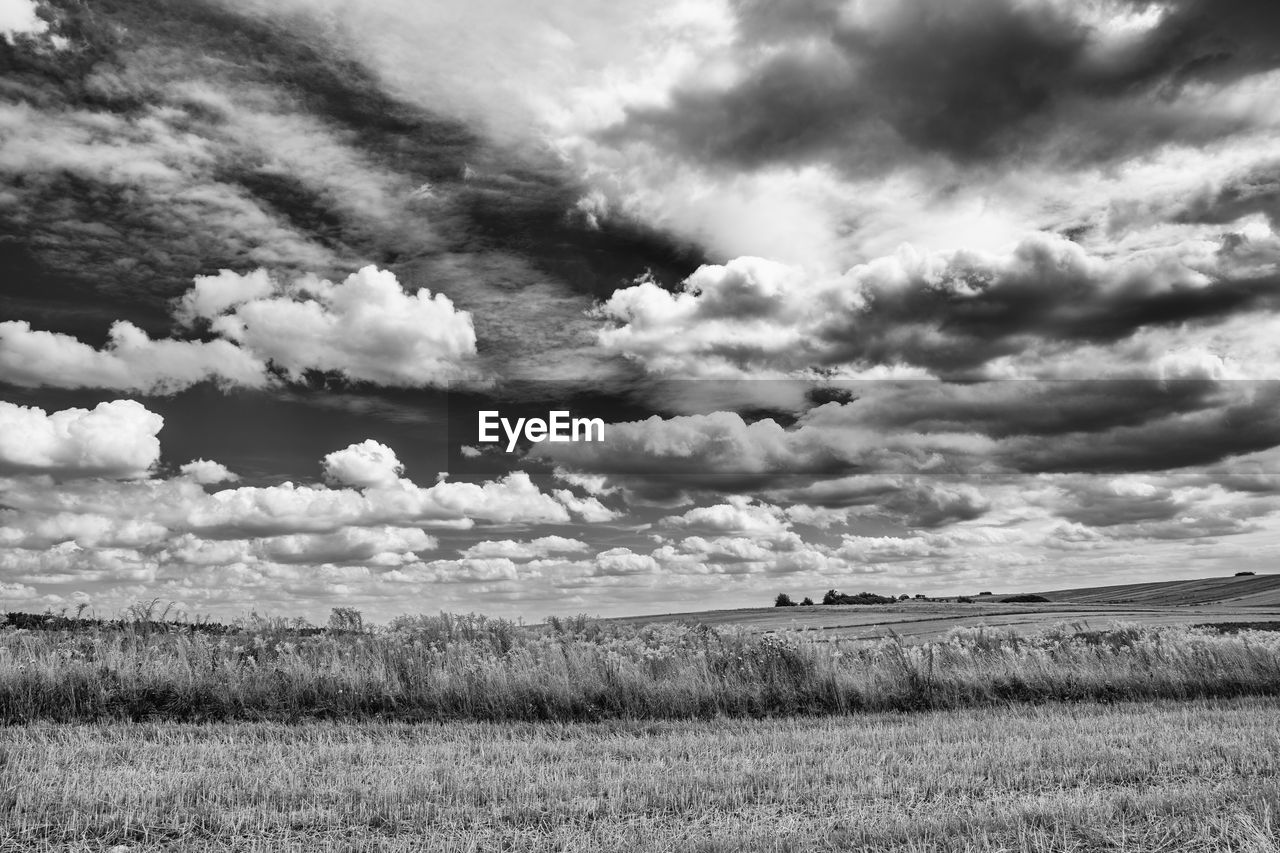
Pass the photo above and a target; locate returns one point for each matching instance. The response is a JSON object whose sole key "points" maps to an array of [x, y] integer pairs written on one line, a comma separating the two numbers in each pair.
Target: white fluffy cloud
{"points": [[589, 509], [738, 516], [87, 530], [131, 361], [376, 546], [543, 546], [210, 295], [19, 17], [365, 327], [115, 439], [624, 561], [206, 472], [364, 465]]}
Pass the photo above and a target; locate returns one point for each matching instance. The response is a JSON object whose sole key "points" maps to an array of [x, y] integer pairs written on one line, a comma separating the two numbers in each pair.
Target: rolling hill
{"points": [[1247, 599], [1248, 591]]}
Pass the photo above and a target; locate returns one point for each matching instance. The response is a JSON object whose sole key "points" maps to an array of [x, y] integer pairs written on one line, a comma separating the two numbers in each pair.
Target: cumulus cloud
{"points": [[591, 484], [87, 530], [623, 562], [309, 509], [589, 509], [131, 361], [951, 314], [364, 465], [365, 328], [206, 472], [182, 505], [740, 515], [543, 546], [18, 17], [211, 295], [115, 439], [375, 546]]}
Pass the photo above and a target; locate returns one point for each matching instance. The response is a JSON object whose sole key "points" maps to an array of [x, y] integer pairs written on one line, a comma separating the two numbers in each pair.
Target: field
{"points": [[1254, 598], [906, 727], [920, 620], [1166, 776]]}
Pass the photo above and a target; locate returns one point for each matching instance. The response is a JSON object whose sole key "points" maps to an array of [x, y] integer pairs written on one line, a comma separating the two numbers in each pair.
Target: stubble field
{"points": [[1164, 776]]}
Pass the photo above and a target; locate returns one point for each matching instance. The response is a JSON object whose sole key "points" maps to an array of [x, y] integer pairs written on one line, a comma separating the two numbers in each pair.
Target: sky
{"points": [[904, 296]]}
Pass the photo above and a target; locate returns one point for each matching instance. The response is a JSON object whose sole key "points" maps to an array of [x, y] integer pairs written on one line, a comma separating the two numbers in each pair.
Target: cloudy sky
{"points": [[898, 295]]}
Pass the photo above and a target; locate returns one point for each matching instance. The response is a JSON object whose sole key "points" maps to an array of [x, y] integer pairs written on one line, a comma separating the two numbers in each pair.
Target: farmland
{"points": [[1254, 598], [985, 727], [1167, 776]]}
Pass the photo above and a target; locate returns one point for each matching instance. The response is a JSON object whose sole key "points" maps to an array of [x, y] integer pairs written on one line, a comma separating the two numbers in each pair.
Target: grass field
{"points": [[1054, 730], [1165, 776], [472, 668]]}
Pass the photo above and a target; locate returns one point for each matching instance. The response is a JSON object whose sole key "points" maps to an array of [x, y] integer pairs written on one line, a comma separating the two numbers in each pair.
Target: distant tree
{"points": [[346, 619], [1024, 599], [783, 600], [920, 596], [1243, 574], [904, 597], [833, 597], [808, 602], [988, 592], [964, 599]]}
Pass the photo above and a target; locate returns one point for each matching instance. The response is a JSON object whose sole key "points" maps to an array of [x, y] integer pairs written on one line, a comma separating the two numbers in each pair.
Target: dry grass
{"points": [[470, 668], [1196, 776]]}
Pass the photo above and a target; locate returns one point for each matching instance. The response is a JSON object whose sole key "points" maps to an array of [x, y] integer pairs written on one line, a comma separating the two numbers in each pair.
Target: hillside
{"points": [[1250, 591], [1168, 603]]}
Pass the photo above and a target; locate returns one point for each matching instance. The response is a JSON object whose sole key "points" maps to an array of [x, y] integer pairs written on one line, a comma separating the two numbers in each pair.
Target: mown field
{"points": [[1178, 777]]}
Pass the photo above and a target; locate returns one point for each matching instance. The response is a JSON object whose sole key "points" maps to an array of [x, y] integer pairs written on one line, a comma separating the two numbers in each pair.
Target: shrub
{"points": [[833, 597], [346, 619], [1024, 599], [808, 602], [783, 600], [964, 599]]}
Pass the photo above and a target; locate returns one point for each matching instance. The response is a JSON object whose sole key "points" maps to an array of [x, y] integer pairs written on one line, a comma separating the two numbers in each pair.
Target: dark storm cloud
{"points": [[1221, 199], [1036, 408], [914, 502], [974, 80], [1245, 420], [1255, 190], [950, 314], [922, 452], [159, 146]]}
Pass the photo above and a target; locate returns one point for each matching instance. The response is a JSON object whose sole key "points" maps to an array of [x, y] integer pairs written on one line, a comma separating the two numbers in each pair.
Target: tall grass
{"points": [[470, 667]]}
